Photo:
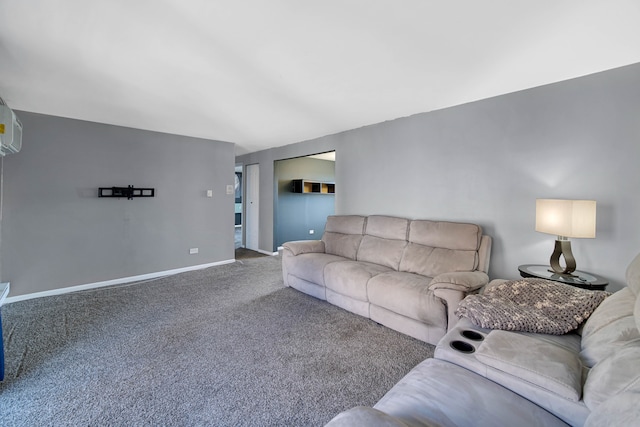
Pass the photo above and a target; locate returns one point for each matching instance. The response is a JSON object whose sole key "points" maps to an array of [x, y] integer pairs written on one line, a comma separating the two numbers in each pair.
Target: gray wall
{"points": [[56, 232], [296, 214], [486, 162]]}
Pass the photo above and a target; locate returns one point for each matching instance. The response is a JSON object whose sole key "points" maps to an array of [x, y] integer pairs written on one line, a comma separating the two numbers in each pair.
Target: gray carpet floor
{"points": [[243, 253], [224, 346]]}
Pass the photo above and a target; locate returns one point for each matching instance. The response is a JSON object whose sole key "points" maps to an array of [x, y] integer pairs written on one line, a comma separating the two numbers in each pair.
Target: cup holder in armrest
{"points": [[462, 346], [472, 335]]}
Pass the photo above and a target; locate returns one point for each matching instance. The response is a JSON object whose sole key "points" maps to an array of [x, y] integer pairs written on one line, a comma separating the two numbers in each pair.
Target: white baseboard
{"points": [[266, 252], [114, 281], [260, 251]]}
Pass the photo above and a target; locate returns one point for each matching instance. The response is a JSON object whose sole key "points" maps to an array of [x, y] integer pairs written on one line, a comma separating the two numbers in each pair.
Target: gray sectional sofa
{"points": [[483, 377], [408, 275]]}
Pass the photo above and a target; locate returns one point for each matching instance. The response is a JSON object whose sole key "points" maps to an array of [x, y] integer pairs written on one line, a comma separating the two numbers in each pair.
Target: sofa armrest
{"points": [[453, 287], [304, 247], [464, 281]]}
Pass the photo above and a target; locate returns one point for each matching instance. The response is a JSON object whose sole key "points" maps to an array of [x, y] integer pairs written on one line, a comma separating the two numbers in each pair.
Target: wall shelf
{"points": [[312, 187]]}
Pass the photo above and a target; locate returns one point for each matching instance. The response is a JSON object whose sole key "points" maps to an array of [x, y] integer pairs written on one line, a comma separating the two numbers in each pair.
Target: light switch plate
{"points": [[230, 189]]}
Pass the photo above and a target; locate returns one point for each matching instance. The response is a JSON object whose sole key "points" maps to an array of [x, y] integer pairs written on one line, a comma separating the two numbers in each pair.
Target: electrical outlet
{"points": [[209, 193], [193, 251], [312, 231], [231, 189]]}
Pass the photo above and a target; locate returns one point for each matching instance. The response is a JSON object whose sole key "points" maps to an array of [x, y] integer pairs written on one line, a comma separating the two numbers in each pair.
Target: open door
{"points": [[252, 207]]}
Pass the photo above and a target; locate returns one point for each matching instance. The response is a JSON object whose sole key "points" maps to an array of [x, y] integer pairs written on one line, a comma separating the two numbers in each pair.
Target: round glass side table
{"points": [[580, 279]]}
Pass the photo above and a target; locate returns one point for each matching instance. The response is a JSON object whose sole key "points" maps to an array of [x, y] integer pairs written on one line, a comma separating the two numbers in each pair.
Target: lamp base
{"points": [[563, 248]]}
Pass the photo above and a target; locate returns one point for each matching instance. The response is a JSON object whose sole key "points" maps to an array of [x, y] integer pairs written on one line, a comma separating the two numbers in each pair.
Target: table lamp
{"points": [[565, 218]]}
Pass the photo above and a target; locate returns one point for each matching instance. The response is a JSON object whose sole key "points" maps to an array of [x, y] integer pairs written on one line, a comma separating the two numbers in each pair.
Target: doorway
{"points": [[300, 214], [252, 207]]}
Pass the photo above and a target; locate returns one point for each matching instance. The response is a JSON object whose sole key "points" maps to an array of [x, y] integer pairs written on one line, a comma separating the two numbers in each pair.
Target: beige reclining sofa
{"points": [[408, 275]]}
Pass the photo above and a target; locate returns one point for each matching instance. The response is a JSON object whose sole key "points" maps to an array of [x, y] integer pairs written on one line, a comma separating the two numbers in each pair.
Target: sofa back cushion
{"points": [[633, 275], [345, 224], [618, 333], [384, 240], [437, 247], [343, 234], [620, 410], [615, 322], [614, 375], [611, 326], [636, 313]]}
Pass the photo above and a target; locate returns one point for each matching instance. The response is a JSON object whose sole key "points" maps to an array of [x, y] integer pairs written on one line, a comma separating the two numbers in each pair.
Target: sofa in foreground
{"points": [[408, 275], [491, 377]]}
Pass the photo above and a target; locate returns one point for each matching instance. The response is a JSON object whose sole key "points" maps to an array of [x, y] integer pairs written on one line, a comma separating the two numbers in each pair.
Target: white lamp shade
{"points": [[566, 218]]}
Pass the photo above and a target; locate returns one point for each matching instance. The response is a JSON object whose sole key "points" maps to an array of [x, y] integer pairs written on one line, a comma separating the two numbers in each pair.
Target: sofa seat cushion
{"points": [[310, 267], [445, 394], [407, 294], [349, 278]]}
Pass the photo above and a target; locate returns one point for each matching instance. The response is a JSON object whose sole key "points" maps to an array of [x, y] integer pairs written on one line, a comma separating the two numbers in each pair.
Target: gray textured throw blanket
{"points": [[531, 305]]}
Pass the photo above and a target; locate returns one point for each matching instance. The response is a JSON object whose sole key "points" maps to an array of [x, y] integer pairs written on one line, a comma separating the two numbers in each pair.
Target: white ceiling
{"points": [[268, 73]]}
